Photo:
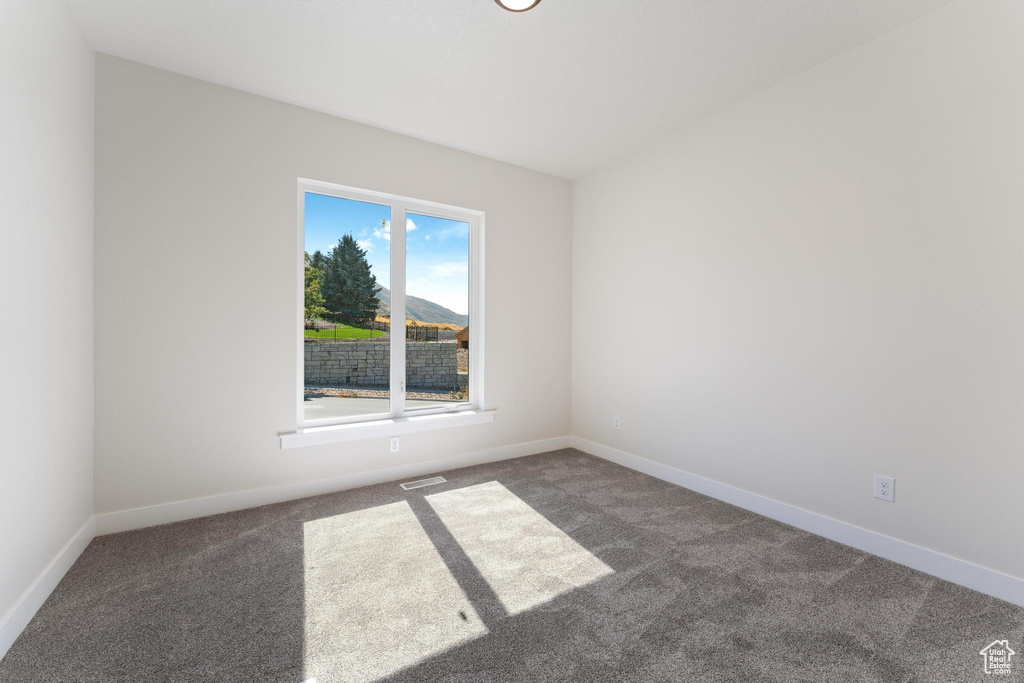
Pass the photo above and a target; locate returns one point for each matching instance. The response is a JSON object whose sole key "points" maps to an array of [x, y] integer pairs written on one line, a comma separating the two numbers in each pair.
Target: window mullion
{"points": [[397, 310]]}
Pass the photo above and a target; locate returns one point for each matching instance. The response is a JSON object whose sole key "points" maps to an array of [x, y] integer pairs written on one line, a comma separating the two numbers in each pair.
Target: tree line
{"points": [[339, 285]]}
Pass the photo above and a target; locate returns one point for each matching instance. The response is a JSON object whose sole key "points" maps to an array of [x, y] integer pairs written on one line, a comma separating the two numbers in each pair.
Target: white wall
{"points": [[825, 282], [196, 276], [46, 295]]}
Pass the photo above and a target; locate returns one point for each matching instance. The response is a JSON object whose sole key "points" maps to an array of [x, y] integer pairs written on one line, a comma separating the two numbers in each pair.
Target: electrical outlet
{"points": [[616, 422], [394, 444], [885, 488]]}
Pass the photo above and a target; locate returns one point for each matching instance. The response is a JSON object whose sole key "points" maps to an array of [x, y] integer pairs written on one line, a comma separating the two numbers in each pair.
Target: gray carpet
{"points": [[556, 567]]}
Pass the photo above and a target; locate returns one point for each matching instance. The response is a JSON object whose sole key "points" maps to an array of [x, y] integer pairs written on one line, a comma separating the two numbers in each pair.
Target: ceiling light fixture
{"points": [[518, 5]]}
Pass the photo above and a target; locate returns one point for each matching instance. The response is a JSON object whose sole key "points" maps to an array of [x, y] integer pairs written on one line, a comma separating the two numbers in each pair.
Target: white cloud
{"points": [[426, 237], [409, 225], [366, 245], [450, 269], [455, 229]]}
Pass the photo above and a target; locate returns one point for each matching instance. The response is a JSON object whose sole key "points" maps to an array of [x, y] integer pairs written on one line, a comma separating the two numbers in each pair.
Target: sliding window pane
{"points": [[346, 331], [436, 312]]}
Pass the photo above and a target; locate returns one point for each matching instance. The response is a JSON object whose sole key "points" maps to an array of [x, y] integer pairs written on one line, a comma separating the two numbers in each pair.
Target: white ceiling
{"points": [[565, 88]]}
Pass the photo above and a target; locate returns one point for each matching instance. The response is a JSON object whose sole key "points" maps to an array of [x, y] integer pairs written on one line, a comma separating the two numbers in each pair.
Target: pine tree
{"points": [[349, 287], [318, 261], [314, 295]]}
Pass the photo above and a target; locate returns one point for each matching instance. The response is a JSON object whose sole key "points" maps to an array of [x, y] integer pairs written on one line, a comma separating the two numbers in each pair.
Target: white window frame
{"points": [[399, 414]]}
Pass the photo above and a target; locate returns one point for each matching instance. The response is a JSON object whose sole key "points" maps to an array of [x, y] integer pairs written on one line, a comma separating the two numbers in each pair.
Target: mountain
{"points": [[421, 310]]}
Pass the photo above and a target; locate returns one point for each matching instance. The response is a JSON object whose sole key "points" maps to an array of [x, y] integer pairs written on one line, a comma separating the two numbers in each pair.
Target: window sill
{"points": [[318, 436]]}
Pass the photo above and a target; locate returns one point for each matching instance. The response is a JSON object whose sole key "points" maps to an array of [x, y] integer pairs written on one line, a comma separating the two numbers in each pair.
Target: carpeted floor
{"points": [[557, 567]]}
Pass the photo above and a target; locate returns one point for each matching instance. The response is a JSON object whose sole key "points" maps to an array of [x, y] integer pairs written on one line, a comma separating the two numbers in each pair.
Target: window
{"points": [[390, 307]]}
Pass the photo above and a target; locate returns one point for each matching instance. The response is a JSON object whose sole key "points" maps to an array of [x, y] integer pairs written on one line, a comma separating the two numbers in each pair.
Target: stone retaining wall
{"points": [[428, 365]]}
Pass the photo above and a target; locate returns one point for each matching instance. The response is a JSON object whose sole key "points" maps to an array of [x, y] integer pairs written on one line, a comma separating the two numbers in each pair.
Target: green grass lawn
{"points": [[343, 332]]}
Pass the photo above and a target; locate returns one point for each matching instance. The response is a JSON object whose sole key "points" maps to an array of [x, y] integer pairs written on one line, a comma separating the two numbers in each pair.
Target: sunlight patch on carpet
{"points": [[525, 559], [378, 596]]}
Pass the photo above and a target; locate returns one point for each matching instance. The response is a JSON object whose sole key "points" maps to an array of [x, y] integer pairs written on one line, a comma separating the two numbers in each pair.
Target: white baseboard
{"points": [[961, 572], [17, 618], [137, 518]]}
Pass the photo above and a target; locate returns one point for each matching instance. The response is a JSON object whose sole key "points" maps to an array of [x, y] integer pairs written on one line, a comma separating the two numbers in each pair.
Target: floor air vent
{"points": [[423, 482]]}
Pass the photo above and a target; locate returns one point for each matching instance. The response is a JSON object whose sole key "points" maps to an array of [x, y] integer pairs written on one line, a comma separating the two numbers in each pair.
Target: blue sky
{"points": [[437, 249]]}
